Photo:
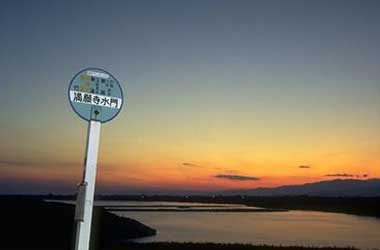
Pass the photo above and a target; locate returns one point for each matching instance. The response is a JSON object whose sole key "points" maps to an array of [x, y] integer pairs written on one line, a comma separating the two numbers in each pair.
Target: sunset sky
{"points": [[218, 94]]}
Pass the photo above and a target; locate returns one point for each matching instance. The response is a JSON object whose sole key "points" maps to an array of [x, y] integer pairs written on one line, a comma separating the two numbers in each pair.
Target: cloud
{"points": [[237, 177], [340, 175], [14, 163], [39, 164], [187, 164], [304, 166]]}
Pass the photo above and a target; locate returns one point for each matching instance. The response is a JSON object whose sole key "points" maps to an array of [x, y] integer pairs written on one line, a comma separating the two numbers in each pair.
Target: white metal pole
{"points": [[87, 188]]}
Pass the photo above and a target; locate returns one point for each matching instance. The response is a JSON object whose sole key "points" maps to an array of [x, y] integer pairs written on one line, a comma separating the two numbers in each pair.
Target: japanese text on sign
{"points": [[95, 99]]}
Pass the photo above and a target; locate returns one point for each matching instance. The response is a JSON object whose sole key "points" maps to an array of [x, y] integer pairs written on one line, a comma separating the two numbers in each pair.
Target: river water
{"points": [[304, 228]]}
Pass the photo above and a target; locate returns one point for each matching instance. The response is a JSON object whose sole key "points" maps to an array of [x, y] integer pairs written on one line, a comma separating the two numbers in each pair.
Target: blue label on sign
{"points": [[95, 94]]}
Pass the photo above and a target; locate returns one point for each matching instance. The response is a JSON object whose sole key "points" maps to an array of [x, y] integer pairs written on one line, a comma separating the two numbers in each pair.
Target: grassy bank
{"points": [[212, 246]]}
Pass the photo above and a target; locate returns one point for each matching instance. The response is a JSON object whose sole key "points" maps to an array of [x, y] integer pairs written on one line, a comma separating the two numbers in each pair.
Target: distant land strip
{"points": [[234, 210], [364, 206]]}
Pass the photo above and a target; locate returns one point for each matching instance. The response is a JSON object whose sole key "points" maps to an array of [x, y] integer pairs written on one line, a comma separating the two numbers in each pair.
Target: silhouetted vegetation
{"points": [[211, 246]]}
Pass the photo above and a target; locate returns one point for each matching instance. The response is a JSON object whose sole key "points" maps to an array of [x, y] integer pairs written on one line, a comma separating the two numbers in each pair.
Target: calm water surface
{"points": [[285, 228]]}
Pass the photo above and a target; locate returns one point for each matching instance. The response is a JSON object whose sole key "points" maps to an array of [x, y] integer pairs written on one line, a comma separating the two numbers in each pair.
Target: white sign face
{"points": [[96, 95], [94, 99]]}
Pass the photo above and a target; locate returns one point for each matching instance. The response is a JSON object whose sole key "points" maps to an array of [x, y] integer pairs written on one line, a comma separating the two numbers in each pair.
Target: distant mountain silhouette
{"points": [[338, 187]]}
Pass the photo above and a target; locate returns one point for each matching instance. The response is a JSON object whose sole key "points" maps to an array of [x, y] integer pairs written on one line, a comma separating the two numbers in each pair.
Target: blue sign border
{"points": [[92, 68]]}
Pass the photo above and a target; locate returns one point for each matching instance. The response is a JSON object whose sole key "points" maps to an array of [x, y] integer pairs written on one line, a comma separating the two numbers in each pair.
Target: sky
{"points": [[218, 94]]}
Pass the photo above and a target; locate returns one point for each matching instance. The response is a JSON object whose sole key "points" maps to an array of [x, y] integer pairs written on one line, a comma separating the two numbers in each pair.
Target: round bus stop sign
{"points": [[96, 95]]}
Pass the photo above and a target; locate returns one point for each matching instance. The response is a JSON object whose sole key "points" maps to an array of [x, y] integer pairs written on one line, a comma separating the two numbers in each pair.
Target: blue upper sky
{"points": [[188, 65]]}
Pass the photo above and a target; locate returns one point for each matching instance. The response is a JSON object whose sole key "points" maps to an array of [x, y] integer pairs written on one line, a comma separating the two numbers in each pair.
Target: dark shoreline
{"points": [[363, 206]]}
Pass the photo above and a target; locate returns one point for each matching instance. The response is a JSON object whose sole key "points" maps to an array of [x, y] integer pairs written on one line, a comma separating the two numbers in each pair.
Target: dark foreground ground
{"points": [[31, 223]]}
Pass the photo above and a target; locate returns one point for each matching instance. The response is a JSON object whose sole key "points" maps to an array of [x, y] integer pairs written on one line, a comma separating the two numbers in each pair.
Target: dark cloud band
{"points": [[237, 177], [340, 175], [187, 164], [304, 166]]}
